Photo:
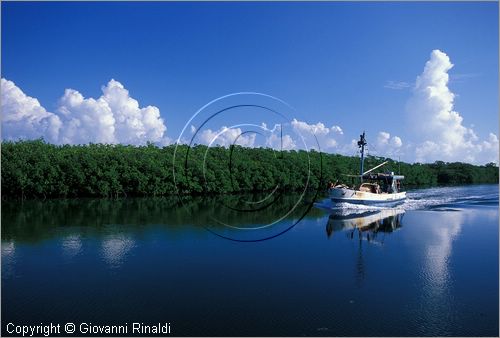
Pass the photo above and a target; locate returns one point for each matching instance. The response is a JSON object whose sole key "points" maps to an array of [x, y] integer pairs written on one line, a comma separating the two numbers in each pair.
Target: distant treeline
{"points": [[39, 169]]}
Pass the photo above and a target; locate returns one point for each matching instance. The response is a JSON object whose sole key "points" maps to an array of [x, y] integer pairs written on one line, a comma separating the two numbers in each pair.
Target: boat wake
{"points": [[439, 199], [345, 209], [452, 198]]}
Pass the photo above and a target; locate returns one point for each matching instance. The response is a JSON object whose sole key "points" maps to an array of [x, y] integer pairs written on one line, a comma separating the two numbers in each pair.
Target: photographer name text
{"points": [[51, 329]]}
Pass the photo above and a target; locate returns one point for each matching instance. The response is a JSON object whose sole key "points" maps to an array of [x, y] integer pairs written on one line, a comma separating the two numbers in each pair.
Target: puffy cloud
{"points": [[440, 127], [387, 145], [227, 136], [383, 145], [275, 141], [318, 128], [326, 137], [85, 120], [492, 143], [296, 135], [24, 118], [337, 129], [349, 149], [383, 137], [114, 117], [396, 141], [133, 124]]}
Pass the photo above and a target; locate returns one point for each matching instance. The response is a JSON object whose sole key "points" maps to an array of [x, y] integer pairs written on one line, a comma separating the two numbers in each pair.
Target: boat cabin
{"points": [[374, 188], [390, 183]]}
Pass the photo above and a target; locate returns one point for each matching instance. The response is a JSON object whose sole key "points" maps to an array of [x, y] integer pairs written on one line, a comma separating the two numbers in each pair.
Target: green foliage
{"points": [[38, 169]]}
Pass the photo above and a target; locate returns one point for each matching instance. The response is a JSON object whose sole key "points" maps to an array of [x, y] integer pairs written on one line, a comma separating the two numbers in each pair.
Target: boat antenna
{"points": [[362, 144], [399, 162]]}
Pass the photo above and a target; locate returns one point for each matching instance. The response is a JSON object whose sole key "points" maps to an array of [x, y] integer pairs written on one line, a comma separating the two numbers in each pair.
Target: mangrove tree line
{"points": [[39, 169]]}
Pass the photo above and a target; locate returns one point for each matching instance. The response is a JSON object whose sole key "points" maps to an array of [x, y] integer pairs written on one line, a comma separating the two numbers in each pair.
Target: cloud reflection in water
{"points": [[115, 249]]}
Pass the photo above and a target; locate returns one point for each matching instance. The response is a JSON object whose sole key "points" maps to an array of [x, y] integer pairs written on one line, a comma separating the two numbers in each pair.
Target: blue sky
{"points": [[333, 62]]}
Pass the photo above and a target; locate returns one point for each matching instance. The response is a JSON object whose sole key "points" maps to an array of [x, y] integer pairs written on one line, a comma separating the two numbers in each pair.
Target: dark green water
{"points": [[429, 267]]}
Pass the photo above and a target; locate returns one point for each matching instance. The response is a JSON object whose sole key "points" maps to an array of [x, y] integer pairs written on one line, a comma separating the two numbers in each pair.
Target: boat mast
{"points": [[362, 144]]}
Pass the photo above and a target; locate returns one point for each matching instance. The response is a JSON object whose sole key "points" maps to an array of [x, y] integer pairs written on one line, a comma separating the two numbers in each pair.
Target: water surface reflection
{"points": [[35, 220], [367, 224], [403, 272]]}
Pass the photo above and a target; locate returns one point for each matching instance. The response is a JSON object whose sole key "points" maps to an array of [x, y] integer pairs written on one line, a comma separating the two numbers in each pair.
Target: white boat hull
{"points": [[348, 195]]}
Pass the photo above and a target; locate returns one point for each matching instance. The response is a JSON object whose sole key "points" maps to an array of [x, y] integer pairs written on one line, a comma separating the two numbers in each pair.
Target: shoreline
{"points": [[321, 194], [36, 169]]}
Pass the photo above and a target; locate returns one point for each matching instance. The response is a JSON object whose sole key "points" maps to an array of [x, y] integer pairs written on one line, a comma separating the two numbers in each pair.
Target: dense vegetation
{"points": [[38, 169]]}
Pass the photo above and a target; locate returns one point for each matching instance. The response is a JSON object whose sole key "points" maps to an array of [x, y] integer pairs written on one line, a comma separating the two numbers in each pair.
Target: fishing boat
{"points": [[374, 188]]}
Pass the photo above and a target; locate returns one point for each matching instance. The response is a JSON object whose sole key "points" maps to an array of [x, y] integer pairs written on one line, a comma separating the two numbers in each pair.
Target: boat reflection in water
{"points": [[366, 223]]}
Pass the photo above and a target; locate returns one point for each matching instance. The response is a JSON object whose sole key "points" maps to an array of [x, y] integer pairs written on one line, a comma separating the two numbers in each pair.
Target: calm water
{"points": [[428, 267]]}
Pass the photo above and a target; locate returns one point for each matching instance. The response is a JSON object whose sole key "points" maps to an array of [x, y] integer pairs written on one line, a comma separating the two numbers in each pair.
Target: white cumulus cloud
{"points": [[133, 124], [309, 133], [85, 120], [115, 117], [439, 127], [24, 118], [227, 136], [388, 146], [278, 140]]}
